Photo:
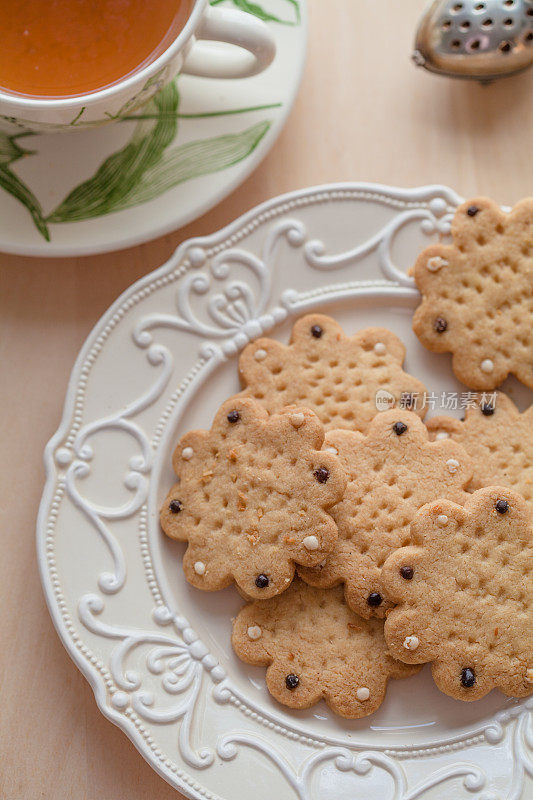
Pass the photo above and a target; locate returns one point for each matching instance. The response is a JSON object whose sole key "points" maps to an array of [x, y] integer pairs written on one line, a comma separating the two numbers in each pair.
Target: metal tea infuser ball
{"points": [[476, 39]]}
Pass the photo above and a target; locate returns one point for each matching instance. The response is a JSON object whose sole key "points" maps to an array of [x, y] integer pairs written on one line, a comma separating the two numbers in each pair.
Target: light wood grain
{"points": [[364, 113]]}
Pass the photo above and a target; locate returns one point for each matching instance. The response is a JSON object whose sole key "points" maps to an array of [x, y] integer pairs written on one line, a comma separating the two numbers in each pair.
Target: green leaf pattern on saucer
{"points": [[147, 165], [11, 151]]}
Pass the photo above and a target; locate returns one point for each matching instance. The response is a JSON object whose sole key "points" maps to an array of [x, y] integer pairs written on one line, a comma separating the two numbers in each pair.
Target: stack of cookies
{"points": [[365, 542]]}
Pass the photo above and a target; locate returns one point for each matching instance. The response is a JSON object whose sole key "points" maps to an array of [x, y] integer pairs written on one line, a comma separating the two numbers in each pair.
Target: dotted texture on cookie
{"points": [[315, 647], [392, 472], [499, 439], [252, 497], [477, 294], [341, 378], [469, 602]]}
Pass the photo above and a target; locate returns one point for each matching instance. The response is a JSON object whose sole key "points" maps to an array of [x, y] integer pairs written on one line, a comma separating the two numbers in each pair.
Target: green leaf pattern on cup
{"points": [[147, 166], [262, 13]]}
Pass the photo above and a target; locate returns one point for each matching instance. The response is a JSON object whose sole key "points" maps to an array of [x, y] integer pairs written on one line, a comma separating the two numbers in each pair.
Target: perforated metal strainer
{"points": [[476, 39]]}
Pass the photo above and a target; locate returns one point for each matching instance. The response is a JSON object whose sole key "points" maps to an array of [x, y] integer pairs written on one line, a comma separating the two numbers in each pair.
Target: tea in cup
{"points": [[87, 61]]}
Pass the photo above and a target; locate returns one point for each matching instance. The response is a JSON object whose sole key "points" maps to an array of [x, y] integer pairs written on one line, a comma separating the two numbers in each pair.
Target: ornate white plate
{"points": [[95, 190], [157, 652]]}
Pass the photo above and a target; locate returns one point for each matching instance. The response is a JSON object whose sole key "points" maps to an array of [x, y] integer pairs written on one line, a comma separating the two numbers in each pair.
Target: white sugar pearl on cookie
{"points": [[311, 543], [411, 642], [363, 693], [254, 632], [332, 450], [487, 365], [298, 419], [453, 465], [260, 354], [442, 520], [442, 435], [187, 453], [199, 567], [435, 263], [380, 349]]}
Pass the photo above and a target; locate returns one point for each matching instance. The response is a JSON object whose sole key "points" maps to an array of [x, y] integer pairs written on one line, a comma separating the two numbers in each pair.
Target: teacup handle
{"points": [[233, 27]]}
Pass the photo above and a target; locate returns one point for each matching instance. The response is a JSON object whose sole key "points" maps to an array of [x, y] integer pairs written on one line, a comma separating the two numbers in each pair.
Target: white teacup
{"points": [[255, 49]]}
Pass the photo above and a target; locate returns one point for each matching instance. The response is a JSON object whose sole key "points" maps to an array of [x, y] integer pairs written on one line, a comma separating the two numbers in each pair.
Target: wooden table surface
{"points": [[364, 112]]}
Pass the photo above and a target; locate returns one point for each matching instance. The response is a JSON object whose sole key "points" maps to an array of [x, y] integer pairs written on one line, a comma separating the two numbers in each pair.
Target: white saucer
{"points": [[156, 651], [41, 170]]}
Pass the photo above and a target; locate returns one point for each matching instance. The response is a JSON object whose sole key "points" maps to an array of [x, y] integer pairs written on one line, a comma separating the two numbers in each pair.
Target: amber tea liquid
{"points": [[70, 47]]}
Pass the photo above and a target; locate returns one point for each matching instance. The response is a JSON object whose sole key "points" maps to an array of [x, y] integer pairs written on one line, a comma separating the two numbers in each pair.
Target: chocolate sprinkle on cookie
{"points": [[321, 474], [374, 599], [292, 681], [407, 573], [468, 677], [399, 428]]}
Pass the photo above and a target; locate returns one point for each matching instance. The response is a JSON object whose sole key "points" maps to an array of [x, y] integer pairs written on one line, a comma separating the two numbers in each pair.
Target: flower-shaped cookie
{"points": [[477, 294], [465, 595], [252, 497], [392, 472], [345, 380], [315, 647], [499, 440]]}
